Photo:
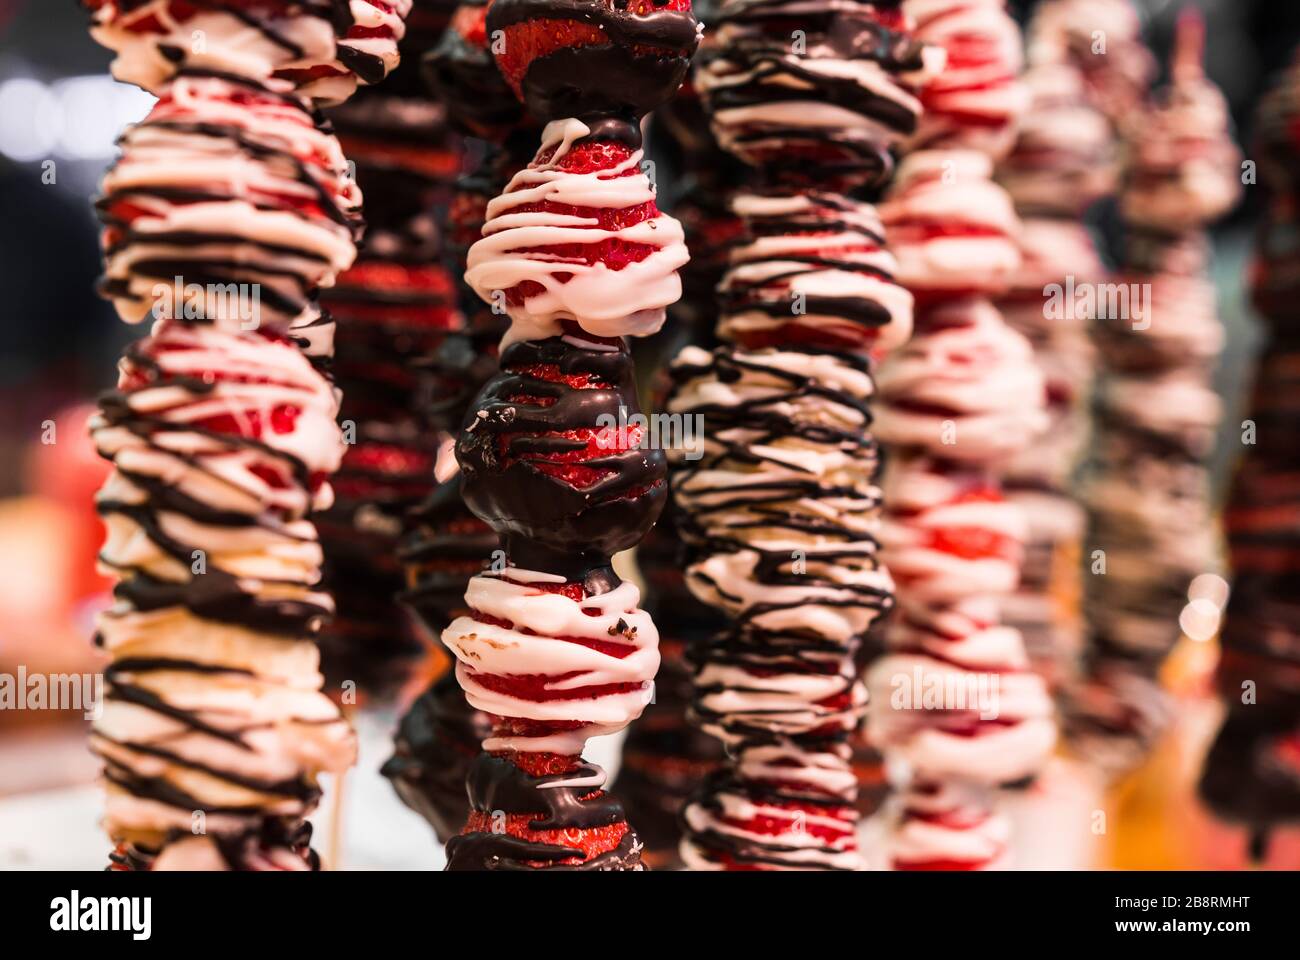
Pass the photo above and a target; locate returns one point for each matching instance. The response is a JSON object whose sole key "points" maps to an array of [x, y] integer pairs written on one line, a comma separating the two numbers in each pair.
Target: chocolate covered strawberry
{"points": [[1148, 488], [1251, 776], [462, 72], [552, 457], [221, 444], [554, 453], [575, 58], [553, 647], [787, 91], [229, 203], [781, 513], [956, 401], [551, 662], [577, 235], [812, 270], [322, 49], [229, 209]]}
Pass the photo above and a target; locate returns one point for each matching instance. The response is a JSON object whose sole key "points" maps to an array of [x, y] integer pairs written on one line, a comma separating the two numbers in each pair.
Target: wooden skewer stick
{"points": [[338, 797], [1189, 46]]}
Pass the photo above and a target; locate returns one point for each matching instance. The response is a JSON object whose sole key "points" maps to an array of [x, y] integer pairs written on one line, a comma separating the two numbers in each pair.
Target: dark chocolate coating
{"points": [[739, 850], [770, 295], [425, 24], [435, 744], [465, 77], [1247, 779], [447, 546], [237, 850], [1119, 709], [642, 64], [496, 785], [758, 42], [542, 519]]}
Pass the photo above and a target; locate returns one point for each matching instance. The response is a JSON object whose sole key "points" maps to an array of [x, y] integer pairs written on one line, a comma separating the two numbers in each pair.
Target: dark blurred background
{"points": [[60, 114]]}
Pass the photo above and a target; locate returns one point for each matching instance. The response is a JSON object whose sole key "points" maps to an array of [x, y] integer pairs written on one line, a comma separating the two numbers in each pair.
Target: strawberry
{"points": [[399, 277], [531, 40], [541, 764], [973, 543], [388, 458], [377, 472], [573, 590], [801, 818], [533, 687], [586, 844], [589, 156], [471, 23], [640, 62], [590, 443], [521, 727], [615, 253], [570, 465], [439, 316], [534, 39], [551, 373]]}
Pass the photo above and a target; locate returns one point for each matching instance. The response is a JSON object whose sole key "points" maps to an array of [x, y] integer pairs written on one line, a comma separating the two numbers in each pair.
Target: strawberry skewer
{"points": [[1148, 486], [1062, 162], [444, 544], [553, 647], [1250, 774], [665, 756], [953, 698], [230, 207], [781, 514]]}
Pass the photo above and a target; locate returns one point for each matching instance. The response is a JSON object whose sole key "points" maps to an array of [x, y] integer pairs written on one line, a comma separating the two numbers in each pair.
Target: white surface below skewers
{"points": [[58, 829]]}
